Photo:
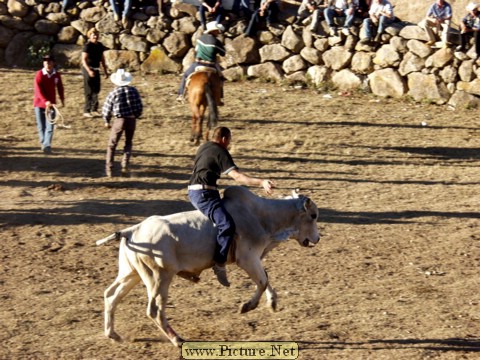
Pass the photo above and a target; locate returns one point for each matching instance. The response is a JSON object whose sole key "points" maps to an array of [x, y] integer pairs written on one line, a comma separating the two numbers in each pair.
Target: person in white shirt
{"points": [[439, 16], [380, 16], [339, 8]]}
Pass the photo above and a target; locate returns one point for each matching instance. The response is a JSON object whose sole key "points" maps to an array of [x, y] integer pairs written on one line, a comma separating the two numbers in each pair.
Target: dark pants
{"points": [[465, 37], [119, 126], [210, 204], [203, 15], [91, 87], [270, 15]]}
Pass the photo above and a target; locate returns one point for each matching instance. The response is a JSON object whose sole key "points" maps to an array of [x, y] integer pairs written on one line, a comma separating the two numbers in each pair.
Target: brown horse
{"points": [[204, 89]]}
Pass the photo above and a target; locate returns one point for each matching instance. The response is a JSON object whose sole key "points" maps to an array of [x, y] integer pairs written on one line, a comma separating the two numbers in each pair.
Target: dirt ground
{"points": [[395, 275]]}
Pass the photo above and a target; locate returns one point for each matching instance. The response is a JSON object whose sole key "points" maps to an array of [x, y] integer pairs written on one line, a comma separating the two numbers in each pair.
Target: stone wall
{"points": [[401, 64]]}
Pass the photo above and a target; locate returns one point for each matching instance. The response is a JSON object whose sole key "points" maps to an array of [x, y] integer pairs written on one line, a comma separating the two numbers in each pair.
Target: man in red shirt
{"points": [[47, 81]]}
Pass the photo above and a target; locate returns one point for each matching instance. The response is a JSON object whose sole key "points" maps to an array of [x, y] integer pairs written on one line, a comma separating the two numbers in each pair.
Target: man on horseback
{"points": [[207, 49], [213, 160]]}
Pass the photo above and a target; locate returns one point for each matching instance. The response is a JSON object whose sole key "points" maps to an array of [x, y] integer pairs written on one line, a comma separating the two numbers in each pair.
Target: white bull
{"points": [[183, 244]]}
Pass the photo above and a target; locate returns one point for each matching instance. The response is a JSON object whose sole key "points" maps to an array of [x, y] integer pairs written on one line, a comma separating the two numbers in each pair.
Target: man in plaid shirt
{"points": [[124, 105]]}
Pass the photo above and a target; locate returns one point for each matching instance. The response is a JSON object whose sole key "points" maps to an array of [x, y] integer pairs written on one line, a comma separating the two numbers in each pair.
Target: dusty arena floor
{"points": [[395, 275]]}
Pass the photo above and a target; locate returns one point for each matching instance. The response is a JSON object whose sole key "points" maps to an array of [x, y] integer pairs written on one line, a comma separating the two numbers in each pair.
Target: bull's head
{"points": [[307, 223]]}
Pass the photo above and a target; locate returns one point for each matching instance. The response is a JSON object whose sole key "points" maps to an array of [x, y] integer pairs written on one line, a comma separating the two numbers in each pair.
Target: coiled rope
{"points": [[55, 117]]}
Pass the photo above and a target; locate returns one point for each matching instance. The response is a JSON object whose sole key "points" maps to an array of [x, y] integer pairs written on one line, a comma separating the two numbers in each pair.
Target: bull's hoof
{"points": [[177, 341], [115, 337], [272, 306], [248, 306]]}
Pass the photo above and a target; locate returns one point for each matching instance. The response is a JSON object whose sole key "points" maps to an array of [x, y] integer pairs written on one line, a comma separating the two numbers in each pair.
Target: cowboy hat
{"points": [[472, 6], [214, 26], [121, 77]]}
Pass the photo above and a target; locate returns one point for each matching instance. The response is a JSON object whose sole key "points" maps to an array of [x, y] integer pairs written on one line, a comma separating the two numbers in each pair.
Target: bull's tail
{"points": [[118, 235], [212, 107]]}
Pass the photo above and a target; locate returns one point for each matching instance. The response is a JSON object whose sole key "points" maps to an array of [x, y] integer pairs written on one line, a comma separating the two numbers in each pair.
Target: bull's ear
{"points": [[307, 203]]}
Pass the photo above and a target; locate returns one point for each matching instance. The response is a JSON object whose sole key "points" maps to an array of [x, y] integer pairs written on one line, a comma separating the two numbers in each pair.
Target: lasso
{"points": [[55, 117]]}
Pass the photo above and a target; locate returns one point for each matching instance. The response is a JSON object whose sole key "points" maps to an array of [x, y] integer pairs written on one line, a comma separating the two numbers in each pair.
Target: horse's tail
{"points": [[212, 107]]}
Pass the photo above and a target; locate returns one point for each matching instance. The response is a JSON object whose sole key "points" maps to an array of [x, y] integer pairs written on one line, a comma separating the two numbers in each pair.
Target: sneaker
{"points": [[365, 40], [108, 173], [378, 38], [95, 114], [431, 42], [221, 273], [125, 171], [180, 98], [345, 31], [87, 115], [333, 32], [47, 150], [459, 48], [116, 18]]}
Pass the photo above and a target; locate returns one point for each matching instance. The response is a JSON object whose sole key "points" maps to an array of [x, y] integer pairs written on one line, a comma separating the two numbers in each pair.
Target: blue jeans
{"points": [[383, 22], [330, 14], [210, 204], [187, 73], [127, 6], [270, 15], [67, 4], [45, 128], [203, 15]]}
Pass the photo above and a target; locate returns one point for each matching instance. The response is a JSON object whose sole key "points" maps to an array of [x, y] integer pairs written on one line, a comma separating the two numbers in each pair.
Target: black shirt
{"points": [[95, 52], [211, 161]]}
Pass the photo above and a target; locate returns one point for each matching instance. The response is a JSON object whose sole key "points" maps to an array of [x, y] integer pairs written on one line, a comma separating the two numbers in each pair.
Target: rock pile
{"points": [[401, 64]]}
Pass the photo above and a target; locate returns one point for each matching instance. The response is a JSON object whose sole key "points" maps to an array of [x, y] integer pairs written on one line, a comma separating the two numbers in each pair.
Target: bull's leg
{"points": [[271, 298], [113, 296], [157, 304], [254, 268]]}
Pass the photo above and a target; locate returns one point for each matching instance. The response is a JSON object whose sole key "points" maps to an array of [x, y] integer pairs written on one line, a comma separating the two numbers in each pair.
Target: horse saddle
{"points": [[201, 68]]}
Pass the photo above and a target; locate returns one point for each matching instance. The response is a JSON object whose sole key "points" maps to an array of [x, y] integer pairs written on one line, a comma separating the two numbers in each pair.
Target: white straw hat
{"points": [[121, 77], [472, 6], [214, 26]]}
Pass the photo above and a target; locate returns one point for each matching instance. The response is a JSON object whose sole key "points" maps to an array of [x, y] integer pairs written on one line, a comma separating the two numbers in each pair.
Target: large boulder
{"points": [[387, 83], [426, 87], [266, 71], [158, 61]]}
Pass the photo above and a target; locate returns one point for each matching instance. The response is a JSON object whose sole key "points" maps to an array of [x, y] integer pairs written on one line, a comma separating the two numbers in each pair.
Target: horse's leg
{"points": [[113, 296], [201, 111], [254, 268], [158, 283]]}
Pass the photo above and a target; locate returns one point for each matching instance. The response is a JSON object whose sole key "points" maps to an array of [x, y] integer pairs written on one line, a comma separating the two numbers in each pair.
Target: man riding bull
{"points": [[211, 161], [206, 51]]}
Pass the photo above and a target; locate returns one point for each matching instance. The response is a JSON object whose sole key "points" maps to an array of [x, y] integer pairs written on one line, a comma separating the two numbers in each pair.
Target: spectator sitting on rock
{"points": [[121, 8], [363, 8], [380, 15], [67, 5], [313, 8], [439, 16], [211, 7], [268, 10], [340, 8], [470, 26], [242, 9]]}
